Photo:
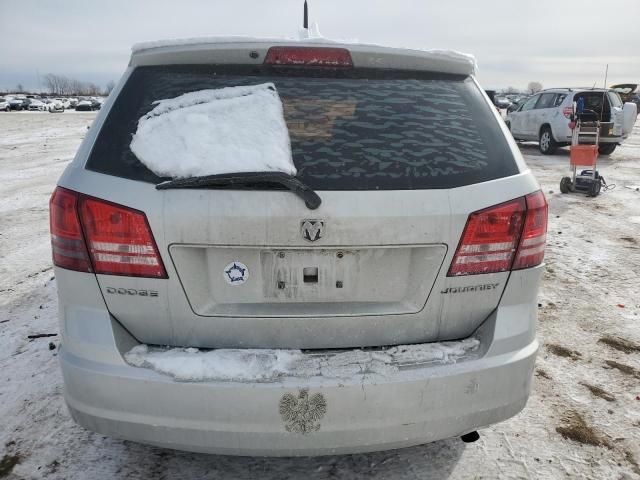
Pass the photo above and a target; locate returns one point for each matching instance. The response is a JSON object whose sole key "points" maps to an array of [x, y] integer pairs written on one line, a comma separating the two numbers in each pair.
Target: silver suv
{"points": [[380, 294], [546, 118]]}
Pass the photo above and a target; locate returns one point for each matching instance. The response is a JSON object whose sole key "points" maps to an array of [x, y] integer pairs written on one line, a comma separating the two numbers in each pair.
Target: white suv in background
{"points": [[545, 117]]}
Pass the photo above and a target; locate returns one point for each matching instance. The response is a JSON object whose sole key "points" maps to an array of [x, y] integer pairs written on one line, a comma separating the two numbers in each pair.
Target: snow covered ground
{"points": [[582, 421]]}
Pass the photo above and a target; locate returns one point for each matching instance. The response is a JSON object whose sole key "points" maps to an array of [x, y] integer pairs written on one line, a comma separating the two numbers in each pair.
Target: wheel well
{"points": [[542, 127]]}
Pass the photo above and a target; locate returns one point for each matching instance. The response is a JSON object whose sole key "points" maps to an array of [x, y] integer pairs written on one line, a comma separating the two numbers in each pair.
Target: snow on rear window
{"points": [[216, 131]]}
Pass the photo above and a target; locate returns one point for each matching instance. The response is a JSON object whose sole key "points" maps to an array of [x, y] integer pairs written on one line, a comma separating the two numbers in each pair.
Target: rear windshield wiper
{"points": [[249, 180]]}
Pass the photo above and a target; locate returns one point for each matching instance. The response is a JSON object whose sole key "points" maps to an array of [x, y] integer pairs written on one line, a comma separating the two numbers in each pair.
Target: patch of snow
{"points": [[209, 132], [312, 32], [193, 41], [223, 364], [190, 364]]}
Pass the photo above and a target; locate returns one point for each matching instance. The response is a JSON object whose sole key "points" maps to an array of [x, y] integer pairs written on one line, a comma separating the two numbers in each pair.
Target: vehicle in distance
{"points": [[55, 105], [546, 118], [36, 105], [4, 105], [84, 106], [380, 293], [502, 102], [18, 103]]}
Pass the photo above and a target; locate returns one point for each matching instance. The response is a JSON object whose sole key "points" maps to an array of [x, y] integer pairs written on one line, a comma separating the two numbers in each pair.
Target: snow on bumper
{"points": [[254, 365], [299, 416]]}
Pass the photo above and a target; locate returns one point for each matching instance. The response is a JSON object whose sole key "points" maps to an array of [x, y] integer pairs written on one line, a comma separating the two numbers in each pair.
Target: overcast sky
{"points": [[556, 42]]}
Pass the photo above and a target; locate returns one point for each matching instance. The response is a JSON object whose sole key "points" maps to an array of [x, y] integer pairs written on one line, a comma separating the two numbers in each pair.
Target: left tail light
{"points": [[107, 238], [67, 243]]}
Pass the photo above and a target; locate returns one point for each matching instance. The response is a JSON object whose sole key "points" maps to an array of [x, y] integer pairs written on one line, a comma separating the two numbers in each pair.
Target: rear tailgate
{"points": [[399, 160], [417, 303]]}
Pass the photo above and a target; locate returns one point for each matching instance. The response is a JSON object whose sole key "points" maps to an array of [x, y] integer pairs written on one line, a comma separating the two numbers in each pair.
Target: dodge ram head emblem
{"points": [[312, 230], [302, 414]]}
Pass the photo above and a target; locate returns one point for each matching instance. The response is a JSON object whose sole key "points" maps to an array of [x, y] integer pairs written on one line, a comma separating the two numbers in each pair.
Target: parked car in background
{"points": [[18, 103], [514, 97], [502, 102], [83, 106], [325, 275], [26, 103], [36, 105], [545, 118], [98, 100], [63, 101], [88, 105], [55, 105], [73, 102], [4, 105]]}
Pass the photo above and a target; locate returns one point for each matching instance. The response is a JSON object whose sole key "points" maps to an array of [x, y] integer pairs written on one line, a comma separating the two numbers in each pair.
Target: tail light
{"points": [[508, 236], [534, 236], [309, 56], [567, 111], [117, 239], [67, 243]]}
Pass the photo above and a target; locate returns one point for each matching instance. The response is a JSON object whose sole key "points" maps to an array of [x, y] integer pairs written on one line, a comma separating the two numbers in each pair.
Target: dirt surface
{"points": [[589, 327]]}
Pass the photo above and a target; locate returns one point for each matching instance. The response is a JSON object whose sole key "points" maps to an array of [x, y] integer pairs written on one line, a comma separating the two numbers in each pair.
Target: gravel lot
{"points": [[582, 421]]}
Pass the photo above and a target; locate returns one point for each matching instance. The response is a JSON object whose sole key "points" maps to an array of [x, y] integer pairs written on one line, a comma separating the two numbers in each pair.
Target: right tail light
{"points": [[508, 236], [534, 235]]}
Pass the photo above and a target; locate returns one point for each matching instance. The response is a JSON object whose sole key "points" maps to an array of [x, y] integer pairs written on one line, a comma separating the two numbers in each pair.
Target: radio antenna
{"points": [[305, 18], [604, 94]]}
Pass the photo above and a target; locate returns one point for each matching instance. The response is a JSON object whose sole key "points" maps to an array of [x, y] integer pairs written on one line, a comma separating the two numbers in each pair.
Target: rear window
{"points": [[356, 129], [615, 100]]}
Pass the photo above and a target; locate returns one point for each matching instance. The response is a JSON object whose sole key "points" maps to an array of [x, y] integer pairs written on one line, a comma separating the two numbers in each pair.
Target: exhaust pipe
{"points": [[470, 437]]}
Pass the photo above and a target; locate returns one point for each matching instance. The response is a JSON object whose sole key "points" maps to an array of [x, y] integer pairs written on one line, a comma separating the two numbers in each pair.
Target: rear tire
{"points": [[546, 143], [606, 148], [565, 185]]}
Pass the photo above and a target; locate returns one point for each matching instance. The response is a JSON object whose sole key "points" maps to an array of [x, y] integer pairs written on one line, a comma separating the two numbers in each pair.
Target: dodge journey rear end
{"points": [[296, 248]]}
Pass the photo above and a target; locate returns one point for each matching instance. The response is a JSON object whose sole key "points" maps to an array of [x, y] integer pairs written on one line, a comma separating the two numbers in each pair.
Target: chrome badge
{"points": [[312, 230], [302, 414]]}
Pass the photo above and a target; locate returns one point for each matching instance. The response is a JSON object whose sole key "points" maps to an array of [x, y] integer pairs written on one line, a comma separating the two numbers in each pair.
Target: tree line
{"points": [[532, 88], [62, 85]]}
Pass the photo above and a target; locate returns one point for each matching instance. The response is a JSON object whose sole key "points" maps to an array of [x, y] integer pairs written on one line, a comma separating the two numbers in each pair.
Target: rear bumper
{"points": [[405, 407], [410, 408]]}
